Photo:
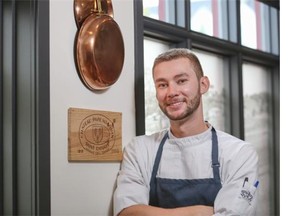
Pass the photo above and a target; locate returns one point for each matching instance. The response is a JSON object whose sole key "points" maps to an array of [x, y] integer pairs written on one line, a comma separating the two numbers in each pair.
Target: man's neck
{"points": [[187, 128]]}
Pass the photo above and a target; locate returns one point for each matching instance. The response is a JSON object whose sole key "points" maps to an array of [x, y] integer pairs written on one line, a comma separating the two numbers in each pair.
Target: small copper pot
{"points": [[99, 48]]}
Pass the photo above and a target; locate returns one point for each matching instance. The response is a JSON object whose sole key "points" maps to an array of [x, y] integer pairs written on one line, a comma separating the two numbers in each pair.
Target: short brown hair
{"points": [[176, 53]]}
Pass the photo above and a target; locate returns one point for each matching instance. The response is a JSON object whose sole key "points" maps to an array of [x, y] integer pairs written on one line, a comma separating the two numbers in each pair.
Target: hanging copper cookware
{"points": [[99, 46]]}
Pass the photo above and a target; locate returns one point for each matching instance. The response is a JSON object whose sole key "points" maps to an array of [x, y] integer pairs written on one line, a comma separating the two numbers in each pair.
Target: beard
{"points": [[192, 106]]}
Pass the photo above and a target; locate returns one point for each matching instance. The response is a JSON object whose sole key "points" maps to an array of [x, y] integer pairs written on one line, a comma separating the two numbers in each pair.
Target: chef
{"points": [[189, 168]]}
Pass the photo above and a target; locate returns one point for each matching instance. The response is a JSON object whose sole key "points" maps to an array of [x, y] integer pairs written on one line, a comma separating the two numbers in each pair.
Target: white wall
{"points": [[85, 188]]}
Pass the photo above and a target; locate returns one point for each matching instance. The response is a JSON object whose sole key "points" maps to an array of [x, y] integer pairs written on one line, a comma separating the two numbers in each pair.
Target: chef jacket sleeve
{"points": [[131, 187], [238, 195]]}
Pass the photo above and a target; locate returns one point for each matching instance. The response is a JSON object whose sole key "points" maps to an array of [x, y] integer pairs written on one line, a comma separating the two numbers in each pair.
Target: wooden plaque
{"points": [[94, 135]]}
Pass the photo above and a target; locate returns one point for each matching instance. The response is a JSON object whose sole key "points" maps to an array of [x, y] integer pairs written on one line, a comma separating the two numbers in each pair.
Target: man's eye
{"points": [[181, 81], [162, 85]]}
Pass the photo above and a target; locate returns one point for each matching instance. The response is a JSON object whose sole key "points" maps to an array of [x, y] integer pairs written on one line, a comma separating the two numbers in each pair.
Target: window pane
{"points": [[210, 17], [255, 25], [164, 10], [214, 101], [155, 120], [257, 117], [275, 30]]}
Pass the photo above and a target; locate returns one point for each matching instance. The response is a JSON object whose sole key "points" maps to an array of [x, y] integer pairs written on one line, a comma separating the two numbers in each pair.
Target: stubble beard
{"points": [[192, 106]]}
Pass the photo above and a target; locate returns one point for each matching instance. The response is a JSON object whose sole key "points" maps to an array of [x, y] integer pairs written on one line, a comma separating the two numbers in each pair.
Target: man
{"points": [[190, 168]]}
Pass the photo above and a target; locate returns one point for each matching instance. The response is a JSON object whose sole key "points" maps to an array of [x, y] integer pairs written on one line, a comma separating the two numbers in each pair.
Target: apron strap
{"points": [[152, 195], [215, 162]]}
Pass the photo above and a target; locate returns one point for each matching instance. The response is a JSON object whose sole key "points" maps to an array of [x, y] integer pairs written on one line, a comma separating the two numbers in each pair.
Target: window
{"points": [[215, 100], [169, 11], [218, 18], [257, 21], [258, 127], [219, 32], [210, 17], [155, 120]]}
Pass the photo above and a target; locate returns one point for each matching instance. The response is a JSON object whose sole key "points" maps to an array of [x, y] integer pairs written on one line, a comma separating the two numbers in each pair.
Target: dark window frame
{"points": [[235, 53], [26, 31]]}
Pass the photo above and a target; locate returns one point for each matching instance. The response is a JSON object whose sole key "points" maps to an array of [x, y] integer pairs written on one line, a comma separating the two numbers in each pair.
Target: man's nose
{"points": [[172, 90]]}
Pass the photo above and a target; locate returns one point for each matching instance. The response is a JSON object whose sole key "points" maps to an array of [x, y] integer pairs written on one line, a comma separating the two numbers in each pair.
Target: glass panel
{"points": [[258, 130], [275, 30], [232, 21], [263, 31], [164, 10], [214, 101], [180, 5], [255, 25], [209, 17], [155, 120]]}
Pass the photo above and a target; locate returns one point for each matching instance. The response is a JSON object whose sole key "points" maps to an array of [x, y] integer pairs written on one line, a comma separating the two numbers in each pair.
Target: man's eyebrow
{"points": [[161, 79], [181, 75]]}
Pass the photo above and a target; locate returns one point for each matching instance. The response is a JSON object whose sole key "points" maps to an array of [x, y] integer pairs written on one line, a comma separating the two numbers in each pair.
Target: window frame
{"points": [[235, 54], [24, 108]]}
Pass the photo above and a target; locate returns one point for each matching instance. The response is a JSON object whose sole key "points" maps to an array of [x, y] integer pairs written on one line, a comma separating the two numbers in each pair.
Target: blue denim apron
{"points": [[173, 193]]}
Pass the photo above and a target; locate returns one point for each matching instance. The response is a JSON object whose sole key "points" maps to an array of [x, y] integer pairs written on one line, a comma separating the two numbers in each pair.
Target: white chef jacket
{"points": [[190, 158]]}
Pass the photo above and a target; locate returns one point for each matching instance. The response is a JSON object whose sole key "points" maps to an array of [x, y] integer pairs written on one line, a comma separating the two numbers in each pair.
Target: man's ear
{"points": [[204, 84]]}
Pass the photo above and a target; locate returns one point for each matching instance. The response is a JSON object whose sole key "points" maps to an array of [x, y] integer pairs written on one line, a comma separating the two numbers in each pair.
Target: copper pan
{"points": [[99, 51]]}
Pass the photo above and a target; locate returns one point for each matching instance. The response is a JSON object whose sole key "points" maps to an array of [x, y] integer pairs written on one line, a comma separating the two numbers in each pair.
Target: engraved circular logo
{"points": [[97, 134]]}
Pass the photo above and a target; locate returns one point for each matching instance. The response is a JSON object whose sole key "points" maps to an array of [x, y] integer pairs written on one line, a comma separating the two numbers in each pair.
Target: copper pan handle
{"points": [[97, 7], [84, 8]]}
